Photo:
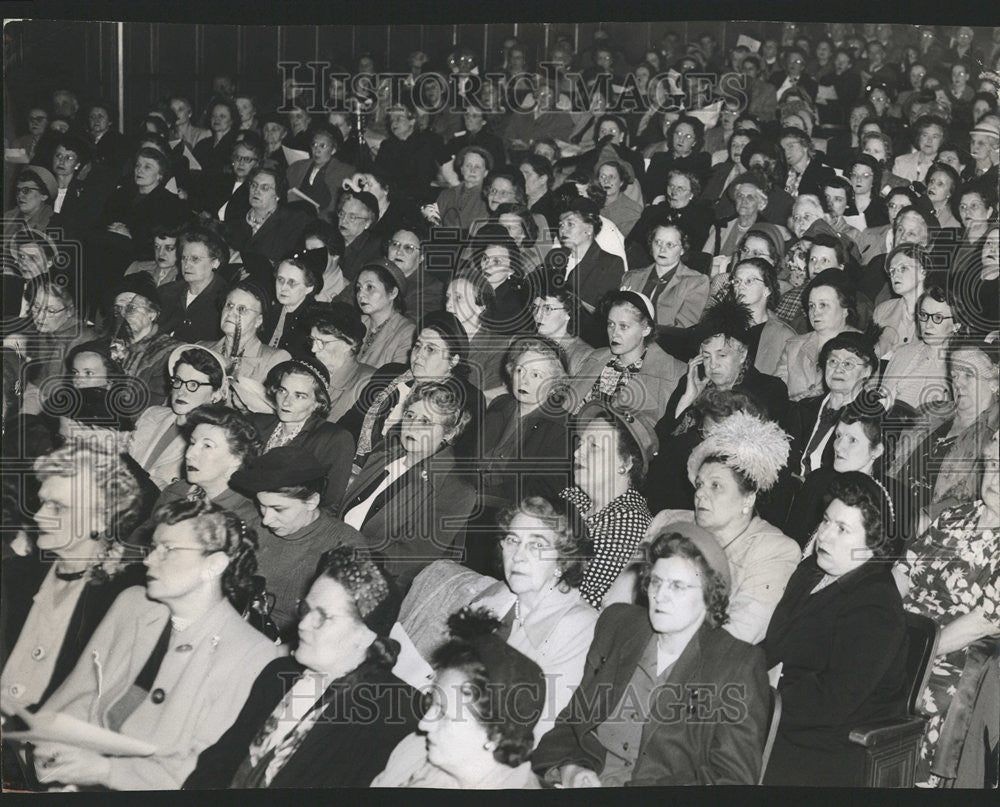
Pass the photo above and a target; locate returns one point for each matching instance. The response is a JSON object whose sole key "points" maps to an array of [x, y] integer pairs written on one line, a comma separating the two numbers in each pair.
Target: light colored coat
{"points": [[392, 344], [773, 338], [205, 687], [761, 561], [149, 428], [651, 386], [681, 303]]}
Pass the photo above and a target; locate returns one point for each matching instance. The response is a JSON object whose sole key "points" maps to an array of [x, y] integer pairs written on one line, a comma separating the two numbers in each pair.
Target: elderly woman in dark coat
{"points": [[644, 660], [299, 726], [409, 501], [838, 641], [193, 302]]}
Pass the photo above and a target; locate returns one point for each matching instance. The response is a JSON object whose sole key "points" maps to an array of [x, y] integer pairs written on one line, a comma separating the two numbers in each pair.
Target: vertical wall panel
{"points": [[258, 70], [498, 32], [369, 39], [335, 44], [437, 43], [403, 39]]}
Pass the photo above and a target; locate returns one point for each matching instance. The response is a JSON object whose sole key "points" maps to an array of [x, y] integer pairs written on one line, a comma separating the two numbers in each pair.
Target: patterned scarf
{"points": [[282, 435], [613, 378], [368, 424]]}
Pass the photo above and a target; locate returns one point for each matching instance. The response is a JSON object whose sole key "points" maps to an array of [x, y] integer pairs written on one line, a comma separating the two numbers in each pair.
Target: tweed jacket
{"points": [[682, 302], [205, 686], [690, 749]]}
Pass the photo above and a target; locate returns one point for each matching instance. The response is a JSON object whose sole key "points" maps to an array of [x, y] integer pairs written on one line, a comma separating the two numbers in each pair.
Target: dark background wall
{"points": [[162, 59]]}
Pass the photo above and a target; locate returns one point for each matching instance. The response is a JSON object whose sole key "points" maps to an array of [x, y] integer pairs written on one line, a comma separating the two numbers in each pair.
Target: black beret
{"points": [[279, 468]]}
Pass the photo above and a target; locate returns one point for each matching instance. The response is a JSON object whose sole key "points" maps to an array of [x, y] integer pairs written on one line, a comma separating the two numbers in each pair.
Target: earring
{"points": [[489, 746], [622, 469]]}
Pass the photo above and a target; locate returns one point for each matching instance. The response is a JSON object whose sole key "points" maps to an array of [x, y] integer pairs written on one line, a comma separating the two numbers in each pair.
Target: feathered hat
{"points": [[756, 448]]}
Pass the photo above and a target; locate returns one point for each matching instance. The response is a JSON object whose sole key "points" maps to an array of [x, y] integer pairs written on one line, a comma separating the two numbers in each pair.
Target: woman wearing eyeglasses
{"points": [[58, 327], [847, 361], [271, 228], [557, 314], [907, 266], [542, 553], [917, 374], [196, 376], [636, 719], [248, 359], [498, 260], [865, 174], [424, 290], [172, 663], [191, 303], [297, 279], [302, 724]]}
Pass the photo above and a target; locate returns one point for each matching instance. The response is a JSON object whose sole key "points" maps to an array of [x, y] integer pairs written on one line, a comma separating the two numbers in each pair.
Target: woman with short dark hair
{"points": [[838, 638], [474, 739]]}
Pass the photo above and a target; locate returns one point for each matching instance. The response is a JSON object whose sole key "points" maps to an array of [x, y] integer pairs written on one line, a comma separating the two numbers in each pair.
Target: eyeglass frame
{"points": [[177, 383], [937, 319], [303, 609]]}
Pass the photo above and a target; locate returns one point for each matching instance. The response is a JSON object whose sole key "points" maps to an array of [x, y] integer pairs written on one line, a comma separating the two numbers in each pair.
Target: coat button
{"points": [[624, 746], [38, 653], [158, 696], [15, 690]]}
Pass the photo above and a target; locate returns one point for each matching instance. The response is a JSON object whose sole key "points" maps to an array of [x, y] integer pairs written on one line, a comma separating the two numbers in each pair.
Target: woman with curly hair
{"points": [[52, 609], [170, 664], [480, 713], [543, 550], [292, 731], [635, 718], [838, 641]]}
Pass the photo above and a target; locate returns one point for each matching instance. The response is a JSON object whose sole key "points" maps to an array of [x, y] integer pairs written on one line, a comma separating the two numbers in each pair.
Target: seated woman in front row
{"points": [[637, 718], [838, 639], [542, 612], [295, 729], [171, 664]]}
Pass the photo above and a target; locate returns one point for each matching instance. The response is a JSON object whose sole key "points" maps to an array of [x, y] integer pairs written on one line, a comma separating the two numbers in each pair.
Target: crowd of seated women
{"points": [[531, 444]]}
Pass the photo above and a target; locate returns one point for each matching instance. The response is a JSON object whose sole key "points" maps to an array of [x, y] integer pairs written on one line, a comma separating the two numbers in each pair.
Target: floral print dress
{"points": [[954, 567]]}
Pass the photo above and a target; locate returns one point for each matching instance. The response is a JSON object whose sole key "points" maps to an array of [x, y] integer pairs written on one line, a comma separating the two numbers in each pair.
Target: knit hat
{"points": [[280, 467], [314, 261], [756, 448], [707, 544], [369, 201], [375, 595], [518, 681]]}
